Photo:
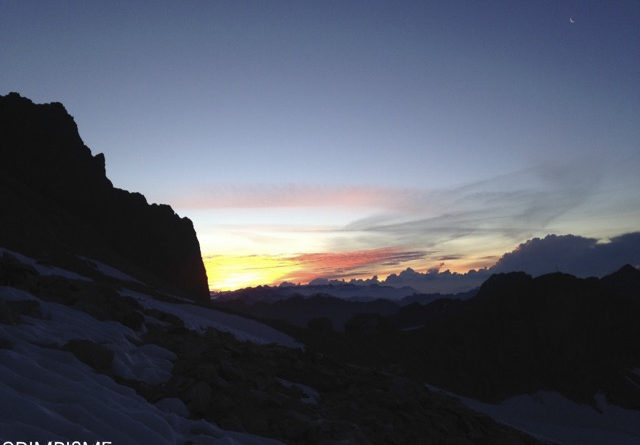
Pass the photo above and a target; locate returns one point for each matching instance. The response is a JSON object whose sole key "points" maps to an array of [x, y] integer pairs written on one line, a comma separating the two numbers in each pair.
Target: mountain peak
{"points": [[498, 284], [626, 271], [57, 201]]}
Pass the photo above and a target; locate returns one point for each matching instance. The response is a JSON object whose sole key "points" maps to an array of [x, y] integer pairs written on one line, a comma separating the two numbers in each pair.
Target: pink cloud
{"points": [[347, 264], [294, 195]]}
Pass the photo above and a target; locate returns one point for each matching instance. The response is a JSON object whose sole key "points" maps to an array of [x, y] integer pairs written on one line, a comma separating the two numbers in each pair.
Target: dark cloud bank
{"points": [[571, 254]]}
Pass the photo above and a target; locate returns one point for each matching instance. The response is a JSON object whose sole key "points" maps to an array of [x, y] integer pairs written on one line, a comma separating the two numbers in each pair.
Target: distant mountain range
{"points": [[517, 335], [342, 290], [575, 255], [585, 256], [337, 302]]}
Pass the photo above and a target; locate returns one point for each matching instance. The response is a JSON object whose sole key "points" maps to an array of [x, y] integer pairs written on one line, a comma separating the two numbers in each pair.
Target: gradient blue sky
{"points": [[453, 128]]}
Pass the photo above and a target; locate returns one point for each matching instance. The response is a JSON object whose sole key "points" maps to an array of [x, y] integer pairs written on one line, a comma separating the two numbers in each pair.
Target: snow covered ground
{"points": [[44, 269], [199, 319], [551, 417], [195, 317], [48, 394], [147, 363]]}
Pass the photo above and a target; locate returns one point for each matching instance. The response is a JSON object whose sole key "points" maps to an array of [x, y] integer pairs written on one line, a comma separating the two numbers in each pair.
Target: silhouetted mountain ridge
{"points": [[300, 311], [58, 203], [299, 305], [519, 335]]}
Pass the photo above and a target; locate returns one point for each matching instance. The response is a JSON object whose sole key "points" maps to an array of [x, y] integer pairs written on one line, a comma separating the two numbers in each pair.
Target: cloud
{"points": [[572, 254], [470, 221], [466, 226], [235, 271], [337, 265], [293, 195], [434, 281], [449, 257], [514, 206]]}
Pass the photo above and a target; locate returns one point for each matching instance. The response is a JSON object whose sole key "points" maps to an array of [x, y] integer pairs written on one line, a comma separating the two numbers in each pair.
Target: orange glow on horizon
{"points": [[231, 272]]}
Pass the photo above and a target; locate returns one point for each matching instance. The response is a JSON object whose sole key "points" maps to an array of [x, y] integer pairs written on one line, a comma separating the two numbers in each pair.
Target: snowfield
{"points": [[148, 363], [551, 417], [196, 318], [48, 394], [199, 319], [44, 269]]}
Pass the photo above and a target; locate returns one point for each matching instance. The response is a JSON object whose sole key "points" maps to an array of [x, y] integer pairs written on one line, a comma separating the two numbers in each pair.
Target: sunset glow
{"points": [[228, 272]]}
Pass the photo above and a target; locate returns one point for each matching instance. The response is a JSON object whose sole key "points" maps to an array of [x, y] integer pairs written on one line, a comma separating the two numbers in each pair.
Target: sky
{"points": [[349, 139]]}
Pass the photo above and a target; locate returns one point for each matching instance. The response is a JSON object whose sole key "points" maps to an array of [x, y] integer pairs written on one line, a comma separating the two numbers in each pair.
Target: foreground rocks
{"points": [[296, 396], [264, 390]]}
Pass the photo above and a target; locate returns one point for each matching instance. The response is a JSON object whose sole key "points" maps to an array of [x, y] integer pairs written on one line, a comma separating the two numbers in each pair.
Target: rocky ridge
{"points": [[58, 204]]}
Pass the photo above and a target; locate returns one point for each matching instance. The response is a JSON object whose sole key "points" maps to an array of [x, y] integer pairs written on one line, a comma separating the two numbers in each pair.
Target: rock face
{"points": [[57, 202]]}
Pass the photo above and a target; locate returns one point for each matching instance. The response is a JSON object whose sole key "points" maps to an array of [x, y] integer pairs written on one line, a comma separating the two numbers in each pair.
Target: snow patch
{"points": [[48, 394], [551, 417], [60, 324], [173, 405], [44, 269], [199, 319]]}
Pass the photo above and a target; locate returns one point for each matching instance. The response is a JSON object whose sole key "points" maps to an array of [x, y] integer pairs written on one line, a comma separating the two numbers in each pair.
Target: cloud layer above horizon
{"points": [[576, 255], [458, 228]]}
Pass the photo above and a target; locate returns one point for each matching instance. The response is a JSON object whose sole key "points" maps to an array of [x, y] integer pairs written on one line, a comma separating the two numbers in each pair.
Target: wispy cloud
{"points": [[335, 265], [294, 195], [457, 228], [514, 206]]}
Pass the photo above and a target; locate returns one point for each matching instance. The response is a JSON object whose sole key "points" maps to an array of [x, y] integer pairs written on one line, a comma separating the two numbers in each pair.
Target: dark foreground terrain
{"points": [[518, 335], [291, 394]]}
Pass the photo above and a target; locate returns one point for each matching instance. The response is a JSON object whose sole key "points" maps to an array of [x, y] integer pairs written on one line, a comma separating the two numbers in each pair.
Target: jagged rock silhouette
{"points": [[57, 203]]}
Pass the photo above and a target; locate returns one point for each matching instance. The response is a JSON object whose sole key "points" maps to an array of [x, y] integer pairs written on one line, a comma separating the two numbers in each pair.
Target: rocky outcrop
{"points": [[258, 389], [57, 203]]}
